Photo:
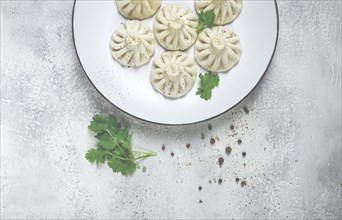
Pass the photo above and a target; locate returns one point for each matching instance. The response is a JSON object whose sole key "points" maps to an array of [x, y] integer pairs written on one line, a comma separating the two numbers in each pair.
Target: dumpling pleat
{"points": [[117, 46], [204, 38], [145, 6], [184, 39], [127, 57], [235, 48], [129, 9], [216, 62], [169, 38], [175, 87], [175, 40], [232, 55], [210, 7], [119, 53], [162, 21], [204, 54], [225, 60], [164, 34], [137, 55], [161, 83]]}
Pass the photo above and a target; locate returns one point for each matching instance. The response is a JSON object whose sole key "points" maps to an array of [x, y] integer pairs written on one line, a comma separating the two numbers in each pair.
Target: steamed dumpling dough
{"points": [[175, 27], [225, 10], [217, 49], [138, 9], [132, 44], [173, 74]]}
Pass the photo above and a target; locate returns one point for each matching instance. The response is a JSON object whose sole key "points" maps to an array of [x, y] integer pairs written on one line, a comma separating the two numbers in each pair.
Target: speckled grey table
{"points": [[291, 134]]}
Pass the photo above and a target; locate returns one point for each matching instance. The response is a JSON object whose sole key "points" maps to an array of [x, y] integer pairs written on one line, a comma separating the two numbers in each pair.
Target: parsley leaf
{"points": [[122, 135], [208, 81], [205, 19], [103, 123], [105, 140], [96, 155], [114, 146], [125, 167]]}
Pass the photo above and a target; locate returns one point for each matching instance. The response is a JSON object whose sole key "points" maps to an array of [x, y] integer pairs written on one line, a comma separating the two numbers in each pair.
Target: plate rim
{"points": [[183, 124]]}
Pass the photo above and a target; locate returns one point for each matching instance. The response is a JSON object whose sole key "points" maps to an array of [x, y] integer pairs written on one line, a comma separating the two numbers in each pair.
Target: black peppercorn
{"points": [[228, 150]]}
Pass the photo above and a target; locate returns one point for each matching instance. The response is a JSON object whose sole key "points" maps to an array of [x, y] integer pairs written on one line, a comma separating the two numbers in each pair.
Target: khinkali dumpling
{"points": [[175, 27], [217, 49], [138, 9], [225, 10], [133, 43], [173, 74]]}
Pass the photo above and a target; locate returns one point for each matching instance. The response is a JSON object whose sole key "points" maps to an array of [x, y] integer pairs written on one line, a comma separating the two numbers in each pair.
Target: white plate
{"points": [[130, 89]]}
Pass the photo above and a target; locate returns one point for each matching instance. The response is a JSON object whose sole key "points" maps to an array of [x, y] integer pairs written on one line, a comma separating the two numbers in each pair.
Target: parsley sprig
{"points": [[114, 146], [208, 82], [206, 19]]}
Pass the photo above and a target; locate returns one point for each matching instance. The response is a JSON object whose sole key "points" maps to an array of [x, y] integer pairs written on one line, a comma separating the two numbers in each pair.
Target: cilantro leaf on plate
{"points": [[208, 82], [205, 19]]}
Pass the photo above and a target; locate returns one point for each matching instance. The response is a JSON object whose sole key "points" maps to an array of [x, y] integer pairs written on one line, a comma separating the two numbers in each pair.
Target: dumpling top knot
{"points": [[218, 42], [176, 23], [132, 41]]}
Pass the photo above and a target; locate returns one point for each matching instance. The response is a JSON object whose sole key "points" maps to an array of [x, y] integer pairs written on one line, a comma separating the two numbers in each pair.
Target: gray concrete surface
{"points": [[292, 133]]}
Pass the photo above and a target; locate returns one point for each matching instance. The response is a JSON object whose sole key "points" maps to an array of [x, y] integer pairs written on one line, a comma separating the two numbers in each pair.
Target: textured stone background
{"points": [[292, 134]]}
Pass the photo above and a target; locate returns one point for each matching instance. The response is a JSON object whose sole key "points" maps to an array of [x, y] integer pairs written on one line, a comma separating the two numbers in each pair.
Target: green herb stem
{"points": [[110, 134], [142, 157], [200, 26], [145, 153], [113, 155]]}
